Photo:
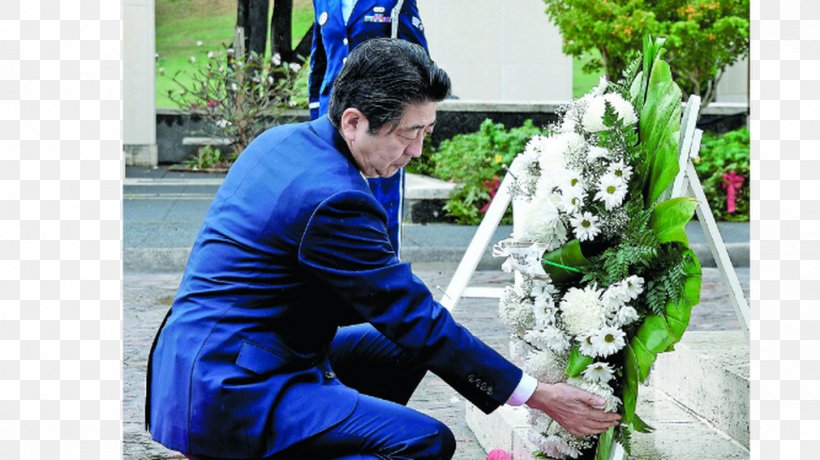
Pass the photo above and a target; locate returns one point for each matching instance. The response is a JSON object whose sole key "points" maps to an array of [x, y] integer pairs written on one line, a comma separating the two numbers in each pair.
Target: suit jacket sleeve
{"points": [[410, 26], [318, 65], [346, 247]]}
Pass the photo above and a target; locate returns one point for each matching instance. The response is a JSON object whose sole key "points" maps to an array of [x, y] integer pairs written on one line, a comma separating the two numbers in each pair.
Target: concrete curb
{"points": [[431, 257]]}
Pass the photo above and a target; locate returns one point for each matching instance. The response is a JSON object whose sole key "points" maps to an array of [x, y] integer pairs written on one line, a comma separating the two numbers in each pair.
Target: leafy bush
{"points": [[725, 154], [477, 160], [703, 36], [240, 96], [205, 158]]}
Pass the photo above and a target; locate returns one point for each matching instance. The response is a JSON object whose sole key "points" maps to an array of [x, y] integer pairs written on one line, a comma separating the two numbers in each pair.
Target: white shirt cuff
{"points": [[524, 391]]}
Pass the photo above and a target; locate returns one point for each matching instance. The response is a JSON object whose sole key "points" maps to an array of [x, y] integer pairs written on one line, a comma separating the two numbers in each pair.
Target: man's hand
{"points": [[574, 409]]}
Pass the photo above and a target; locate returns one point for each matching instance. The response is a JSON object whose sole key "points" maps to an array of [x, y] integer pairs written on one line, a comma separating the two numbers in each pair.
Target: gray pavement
{"points": [[161, 221]]}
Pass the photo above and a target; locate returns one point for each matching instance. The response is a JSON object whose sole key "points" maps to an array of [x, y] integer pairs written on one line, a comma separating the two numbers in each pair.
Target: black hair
{"points": [[383, 76]]}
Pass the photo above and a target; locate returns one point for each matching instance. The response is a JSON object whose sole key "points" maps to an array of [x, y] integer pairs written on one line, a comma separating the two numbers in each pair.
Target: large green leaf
{"points": [[630, 385], [604, 444], [669, 218], [568, 255], [653, 337], [659, 128], [577, 362], [679, 311]]}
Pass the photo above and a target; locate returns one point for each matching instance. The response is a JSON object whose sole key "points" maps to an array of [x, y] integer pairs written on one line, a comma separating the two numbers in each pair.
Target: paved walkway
{"points": [[148, 295], [162, 213]]}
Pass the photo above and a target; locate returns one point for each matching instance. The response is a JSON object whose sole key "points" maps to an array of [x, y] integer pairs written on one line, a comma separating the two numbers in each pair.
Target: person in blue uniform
{"points": [[340, 26], [296, 332]]}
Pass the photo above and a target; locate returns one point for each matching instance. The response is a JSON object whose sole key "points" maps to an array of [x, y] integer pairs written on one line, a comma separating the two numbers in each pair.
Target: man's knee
{"points": [[445, 441]]}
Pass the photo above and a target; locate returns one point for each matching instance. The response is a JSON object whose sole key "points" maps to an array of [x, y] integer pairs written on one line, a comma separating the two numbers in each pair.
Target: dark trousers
{"points": [[380, 427]]}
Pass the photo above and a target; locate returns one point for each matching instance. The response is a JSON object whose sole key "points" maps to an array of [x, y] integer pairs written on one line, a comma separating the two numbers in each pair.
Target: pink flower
{"points": [[498, 454], [731, 182]]}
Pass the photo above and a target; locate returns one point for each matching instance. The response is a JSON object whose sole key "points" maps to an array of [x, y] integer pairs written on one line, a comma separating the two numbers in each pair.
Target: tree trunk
{"points": [[281, 35], [258, 22], [242, 9]]}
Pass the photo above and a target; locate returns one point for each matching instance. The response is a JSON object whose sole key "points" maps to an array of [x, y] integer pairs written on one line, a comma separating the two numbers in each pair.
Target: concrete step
{"points": [[709, 374], [679, 435]]}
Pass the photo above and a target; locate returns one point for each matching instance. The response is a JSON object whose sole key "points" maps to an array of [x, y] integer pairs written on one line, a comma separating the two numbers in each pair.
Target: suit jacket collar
{"points": [[325, 130]]}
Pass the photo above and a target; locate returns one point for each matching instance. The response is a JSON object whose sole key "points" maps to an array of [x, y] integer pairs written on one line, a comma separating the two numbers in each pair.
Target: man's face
{"points": [[384, 153]]}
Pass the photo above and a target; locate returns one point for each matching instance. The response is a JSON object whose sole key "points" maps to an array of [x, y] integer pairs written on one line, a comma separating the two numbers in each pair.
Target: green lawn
{"points": [[177, 35], [179, 30]]}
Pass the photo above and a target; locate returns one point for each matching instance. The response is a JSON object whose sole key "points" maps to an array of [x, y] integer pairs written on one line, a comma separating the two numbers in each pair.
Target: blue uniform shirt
{"points": [[334, 37]]}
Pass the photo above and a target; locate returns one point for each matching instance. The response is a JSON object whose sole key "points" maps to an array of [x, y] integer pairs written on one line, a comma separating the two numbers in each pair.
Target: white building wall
{"points": [[498, 50], [139, 113], [734, 86]]}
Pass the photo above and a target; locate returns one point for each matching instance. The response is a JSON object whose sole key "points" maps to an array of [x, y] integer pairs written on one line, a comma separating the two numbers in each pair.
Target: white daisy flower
{"points": [[582, 310], [572, 201], [620, 170], [614, 298], [634, 286], [585, 226], [611, 190], [608, 340], [572, 181], [585, 345], [626, 316], [549, 338], [599, 372], [593, 120], [276, 59]]}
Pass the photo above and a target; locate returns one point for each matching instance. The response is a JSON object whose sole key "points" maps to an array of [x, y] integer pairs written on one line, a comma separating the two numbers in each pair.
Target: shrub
{"points": [[703, 36], [241, 96], [725, 154], [477, 160]]}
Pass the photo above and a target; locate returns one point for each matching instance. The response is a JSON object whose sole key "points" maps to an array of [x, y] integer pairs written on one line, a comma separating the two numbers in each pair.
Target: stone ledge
{"points": [[709, 374]]}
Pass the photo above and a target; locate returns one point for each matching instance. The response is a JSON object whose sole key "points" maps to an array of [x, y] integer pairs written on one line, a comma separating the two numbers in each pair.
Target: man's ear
{"points": [[354, 124]]}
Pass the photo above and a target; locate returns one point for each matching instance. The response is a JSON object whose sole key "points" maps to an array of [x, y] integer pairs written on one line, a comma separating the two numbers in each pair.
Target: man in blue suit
{"points": [[340, 26], [296, 332]]}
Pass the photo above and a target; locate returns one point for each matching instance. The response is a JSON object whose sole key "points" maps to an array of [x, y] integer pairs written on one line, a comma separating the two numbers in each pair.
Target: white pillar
{"points": [[494, 50], [139, 113]]}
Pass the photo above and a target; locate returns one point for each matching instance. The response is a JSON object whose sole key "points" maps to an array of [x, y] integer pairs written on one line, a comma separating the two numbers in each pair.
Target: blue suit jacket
{"points": [[294, 246]]}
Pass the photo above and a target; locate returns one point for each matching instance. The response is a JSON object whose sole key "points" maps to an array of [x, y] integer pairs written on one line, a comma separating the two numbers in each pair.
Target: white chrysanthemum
{"points": [[608, 340], [585, 226], [549, 338], [620, 170], [596, 152], [553, 149], [626, 316], [611, 402], [599, 372], [615, 297], [634, 286], [545, 366], [585, 345], [593, 120], [611, 190], [542, 219], [582, 310]]}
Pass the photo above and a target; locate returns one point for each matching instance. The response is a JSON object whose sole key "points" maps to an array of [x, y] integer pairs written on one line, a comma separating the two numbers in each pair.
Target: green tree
{"points": [[703, 36]]}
